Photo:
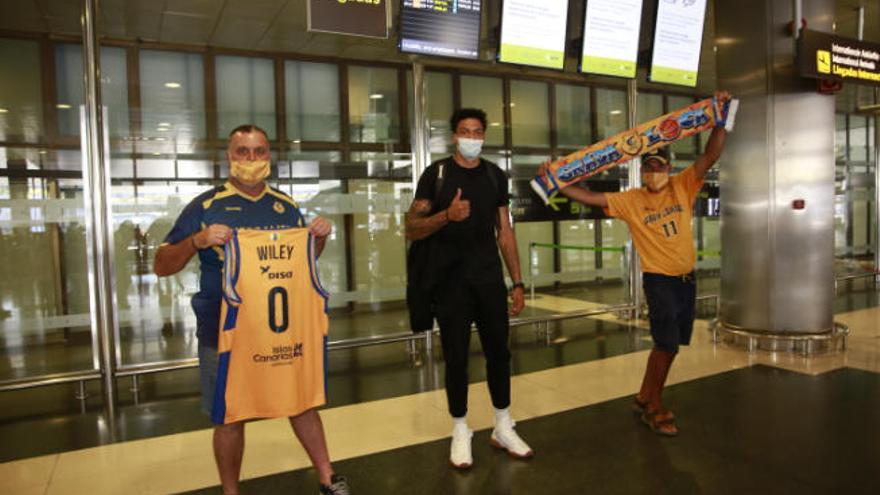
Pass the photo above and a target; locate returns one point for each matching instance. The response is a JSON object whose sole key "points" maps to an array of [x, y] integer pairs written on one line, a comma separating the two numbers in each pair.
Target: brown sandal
{"points": [[639, 407], [657, 420]]}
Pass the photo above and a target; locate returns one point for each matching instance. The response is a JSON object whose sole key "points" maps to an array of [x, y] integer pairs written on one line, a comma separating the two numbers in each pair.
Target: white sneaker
{"points": [[504, 437], [460, 453]]}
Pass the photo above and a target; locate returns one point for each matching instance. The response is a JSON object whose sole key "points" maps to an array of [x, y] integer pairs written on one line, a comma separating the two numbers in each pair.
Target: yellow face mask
{"points": [[250, 173], [655, 180]]}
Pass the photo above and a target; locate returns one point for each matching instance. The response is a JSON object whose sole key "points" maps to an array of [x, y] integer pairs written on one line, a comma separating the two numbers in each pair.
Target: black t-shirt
{"points": [[468, 245]]}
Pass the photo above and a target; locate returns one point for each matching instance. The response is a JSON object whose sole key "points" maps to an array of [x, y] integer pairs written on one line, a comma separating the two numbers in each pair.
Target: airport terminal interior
{"points": [[114, 115]]}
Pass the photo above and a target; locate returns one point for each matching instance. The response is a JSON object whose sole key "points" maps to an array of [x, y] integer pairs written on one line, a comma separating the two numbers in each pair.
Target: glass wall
{"points": [[373, 104], [245, 93], [486, 93], [854, 208], [172, 94], [340, 141], [44, 307], [312, 101]]}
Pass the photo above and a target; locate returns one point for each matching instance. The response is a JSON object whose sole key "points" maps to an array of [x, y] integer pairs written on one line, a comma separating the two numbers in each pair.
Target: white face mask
{"points": [[655, 180], [470, 148]]}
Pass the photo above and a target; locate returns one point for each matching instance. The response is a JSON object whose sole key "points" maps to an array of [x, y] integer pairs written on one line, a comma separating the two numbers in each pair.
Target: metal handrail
{"points": [[134, 370], [51, 379], [855, 276], [174, 365]]}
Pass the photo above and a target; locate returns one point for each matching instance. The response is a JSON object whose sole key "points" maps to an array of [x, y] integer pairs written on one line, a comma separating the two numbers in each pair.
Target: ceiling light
{"points": [[494, 124], [160, 139], [376, 96], [164, 124], [62, 106], [162, 129], [157, 153], [172, 85], [616, 112], [3, 110], [43, 152]]}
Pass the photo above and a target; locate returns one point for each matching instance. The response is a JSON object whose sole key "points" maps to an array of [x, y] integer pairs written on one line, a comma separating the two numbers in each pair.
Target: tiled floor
{"points": [[569, 387]]}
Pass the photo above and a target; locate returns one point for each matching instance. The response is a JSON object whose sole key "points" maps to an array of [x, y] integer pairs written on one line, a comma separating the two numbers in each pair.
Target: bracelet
{"points": [[192, 240], [518, 284]]}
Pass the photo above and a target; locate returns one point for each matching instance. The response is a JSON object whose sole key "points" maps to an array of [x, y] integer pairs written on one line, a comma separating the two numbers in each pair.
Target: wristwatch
{"points": [[518, 284]]}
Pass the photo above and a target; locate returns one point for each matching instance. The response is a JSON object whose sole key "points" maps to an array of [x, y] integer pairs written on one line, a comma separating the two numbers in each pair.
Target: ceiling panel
{"points": [[63, 8], [239, 33], [22, 16], [64, 25], [261, 10], [202, 8], [292, 16], [185, 28]]}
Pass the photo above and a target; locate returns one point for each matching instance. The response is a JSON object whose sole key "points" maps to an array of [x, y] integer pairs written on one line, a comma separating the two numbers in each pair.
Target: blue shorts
{"points": [[671, 302], [207, 376]]}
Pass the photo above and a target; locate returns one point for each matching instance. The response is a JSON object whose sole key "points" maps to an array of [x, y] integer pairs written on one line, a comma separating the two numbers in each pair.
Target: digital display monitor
{"points": [[611, 37], [678, 39], [448, 28], [533, 32]]}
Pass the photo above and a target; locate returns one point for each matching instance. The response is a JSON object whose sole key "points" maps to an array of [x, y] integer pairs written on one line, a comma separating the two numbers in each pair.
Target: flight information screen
{"points": [[678, 39], [611, 37], [449, 28], [533, 32]]}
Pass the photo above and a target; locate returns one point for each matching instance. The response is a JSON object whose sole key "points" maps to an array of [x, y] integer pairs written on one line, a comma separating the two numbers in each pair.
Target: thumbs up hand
{"points": [[459, 209]]}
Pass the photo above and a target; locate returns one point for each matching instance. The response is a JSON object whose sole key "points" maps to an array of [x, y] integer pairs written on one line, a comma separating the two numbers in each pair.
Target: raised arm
{"points": [[714, 146], [579, 194]]}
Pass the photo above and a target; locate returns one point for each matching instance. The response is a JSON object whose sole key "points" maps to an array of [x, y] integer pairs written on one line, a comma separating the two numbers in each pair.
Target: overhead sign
{"points": [[440, 27], [678, 39], [611, 37], [826, 56], [533, 33], [356, 17]]}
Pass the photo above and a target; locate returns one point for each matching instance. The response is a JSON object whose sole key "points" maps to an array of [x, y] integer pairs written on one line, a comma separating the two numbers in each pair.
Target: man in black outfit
{"points": [[468, 221]]}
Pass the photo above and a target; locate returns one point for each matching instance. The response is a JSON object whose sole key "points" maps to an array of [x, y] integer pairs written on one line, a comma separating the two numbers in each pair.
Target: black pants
{"points": [[459, 305]]}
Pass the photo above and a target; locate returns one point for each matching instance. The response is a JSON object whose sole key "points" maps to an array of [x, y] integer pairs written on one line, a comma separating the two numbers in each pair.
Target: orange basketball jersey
{"points": [[273, 327]]}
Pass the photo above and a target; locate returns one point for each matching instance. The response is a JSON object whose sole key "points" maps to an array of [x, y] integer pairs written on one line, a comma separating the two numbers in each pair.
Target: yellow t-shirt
{"points": [[660, 223]]}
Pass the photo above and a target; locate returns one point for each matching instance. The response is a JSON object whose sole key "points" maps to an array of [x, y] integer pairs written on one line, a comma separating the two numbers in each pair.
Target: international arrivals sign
{"points": [[826, 56]]}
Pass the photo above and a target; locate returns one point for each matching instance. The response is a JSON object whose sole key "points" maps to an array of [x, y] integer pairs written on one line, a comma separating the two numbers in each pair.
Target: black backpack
{"points": [[421, 276]]}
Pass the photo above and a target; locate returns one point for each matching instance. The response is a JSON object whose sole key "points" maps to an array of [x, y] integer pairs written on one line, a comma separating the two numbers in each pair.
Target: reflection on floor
{"points": [[745, 429], [816, 435], [381, 401]]}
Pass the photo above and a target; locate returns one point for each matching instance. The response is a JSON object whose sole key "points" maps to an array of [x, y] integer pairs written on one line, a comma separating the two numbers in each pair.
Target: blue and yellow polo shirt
{"points": [[226, 205]]}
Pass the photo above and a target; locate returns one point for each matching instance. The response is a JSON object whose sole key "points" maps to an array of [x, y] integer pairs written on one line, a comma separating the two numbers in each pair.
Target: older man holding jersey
{"points": [[203, 228]]}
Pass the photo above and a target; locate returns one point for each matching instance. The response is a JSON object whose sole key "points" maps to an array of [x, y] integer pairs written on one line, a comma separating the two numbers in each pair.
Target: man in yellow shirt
{"points": [[659, 219]]}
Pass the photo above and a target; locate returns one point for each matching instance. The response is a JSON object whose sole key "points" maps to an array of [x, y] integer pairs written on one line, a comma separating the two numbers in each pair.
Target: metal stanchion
{"points": [[533, 270]]}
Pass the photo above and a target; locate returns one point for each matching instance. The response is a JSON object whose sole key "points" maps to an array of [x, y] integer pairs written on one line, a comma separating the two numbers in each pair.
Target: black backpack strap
{"points": [[441, 177]]}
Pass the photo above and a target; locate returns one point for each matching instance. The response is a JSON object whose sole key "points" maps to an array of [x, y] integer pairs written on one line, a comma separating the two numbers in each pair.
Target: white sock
{"points": [[502, 416], [459, 423]]}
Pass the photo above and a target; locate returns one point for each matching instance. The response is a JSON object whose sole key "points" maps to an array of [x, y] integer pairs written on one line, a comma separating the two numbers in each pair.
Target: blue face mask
{"points": [[470, 148]]}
